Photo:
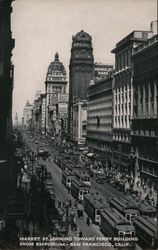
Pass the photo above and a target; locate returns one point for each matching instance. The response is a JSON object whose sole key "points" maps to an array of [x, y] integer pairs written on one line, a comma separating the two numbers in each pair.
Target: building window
{"points": [[84, 127], [98, 122], [145, 35]]}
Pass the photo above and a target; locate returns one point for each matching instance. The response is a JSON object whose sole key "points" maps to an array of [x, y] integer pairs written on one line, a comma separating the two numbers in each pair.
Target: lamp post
{"points": [[132, 158]]}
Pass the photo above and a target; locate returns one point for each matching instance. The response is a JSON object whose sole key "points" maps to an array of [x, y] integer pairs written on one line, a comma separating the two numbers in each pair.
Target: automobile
{"points": [[36, 142], [40, 150], [49, 176], [100, 180], [44, 154]]}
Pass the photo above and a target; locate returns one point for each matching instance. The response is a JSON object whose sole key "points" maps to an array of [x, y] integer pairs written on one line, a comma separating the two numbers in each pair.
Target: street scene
{"points": [[79, 158]]}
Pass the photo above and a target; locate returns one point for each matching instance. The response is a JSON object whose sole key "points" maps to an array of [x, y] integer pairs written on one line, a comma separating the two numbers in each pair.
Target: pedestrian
{"points": [[80, 234], [75, 227], [78, 213], [70, 203], [72, 226], [81, 213], [88, 221]]}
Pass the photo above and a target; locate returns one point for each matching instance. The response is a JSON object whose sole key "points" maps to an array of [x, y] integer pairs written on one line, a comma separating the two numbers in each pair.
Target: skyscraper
{"points": [[81, 71]]}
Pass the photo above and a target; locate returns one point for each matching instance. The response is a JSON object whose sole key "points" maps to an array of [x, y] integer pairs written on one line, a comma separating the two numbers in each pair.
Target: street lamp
{"points": [[132, 158]]}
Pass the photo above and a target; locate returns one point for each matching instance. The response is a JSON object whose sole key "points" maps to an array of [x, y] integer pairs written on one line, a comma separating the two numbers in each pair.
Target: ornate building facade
{"points": [[99, 118], [123, 100], [81, 73], [145, 111], [56, 98]]}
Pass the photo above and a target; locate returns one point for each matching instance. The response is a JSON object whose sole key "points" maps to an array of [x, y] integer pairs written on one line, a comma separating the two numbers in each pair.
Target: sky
{"points": [[43, 27]]}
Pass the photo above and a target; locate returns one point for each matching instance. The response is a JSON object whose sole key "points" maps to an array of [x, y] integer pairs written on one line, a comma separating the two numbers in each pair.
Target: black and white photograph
{"points": [[78, 124]]}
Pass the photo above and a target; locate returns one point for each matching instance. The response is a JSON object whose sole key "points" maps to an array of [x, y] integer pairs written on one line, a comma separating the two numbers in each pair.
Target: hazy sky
{"points": [[42, 27]]}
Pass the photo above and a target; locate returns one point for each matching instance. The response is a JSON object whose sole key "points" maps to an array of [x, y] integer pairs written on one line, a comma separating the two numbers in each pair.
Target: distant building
{"points": [[81, 73], [36, 115], [27, 113], [16, 120], [79, 121], [102, 71], [145, 110], [99, 117], [56, 98], [37, 94], [43, 113], [123, 100]]}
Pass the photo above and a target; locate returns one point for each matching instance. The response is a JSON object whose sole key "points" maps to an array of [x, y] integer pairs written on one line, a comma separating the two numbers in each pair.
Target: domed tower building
{"points": [[81, 73], [56, 98]]}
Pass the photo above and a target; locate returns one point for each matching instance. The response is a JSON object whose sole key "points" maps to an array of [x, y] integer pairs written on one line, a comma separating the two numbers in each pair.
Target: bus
{"points": [[93, 205], [126, 208], [146, 230]]}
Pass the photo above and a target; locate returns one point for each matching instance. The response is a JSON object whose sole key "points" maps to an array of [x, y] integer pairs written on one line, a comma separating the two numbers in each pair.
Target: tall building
{"points": [[145, 111], [7, 167], [37, 94], [16, 123], [123, 100], [43, 113], [6, 76], [27, 113], [99, 117], [56, 97], [81, 73]]}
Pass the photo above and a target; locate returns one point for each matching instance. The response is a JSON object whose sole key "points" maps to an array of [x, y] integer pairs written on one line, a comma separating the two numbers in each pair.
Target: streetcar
{"points": [[125, 207], [114, 224], [82, 176], [79, 189], [145, 209], [93, 205], [67, 177], [146, 230]]}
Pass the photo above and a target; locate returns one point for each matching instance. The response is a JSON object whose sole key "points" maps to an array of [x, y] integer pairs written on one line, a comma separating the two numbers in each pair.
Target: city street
{"points": [[61, 193]]}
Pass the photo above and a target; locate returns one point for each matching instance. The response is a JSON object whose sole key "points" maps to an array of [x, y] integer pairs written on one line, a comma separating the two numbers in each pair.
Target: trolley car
{"points": [[79, 189], [114, 224], [125, 207], [67, 177], [146, 230], [93, 205], [82, 176], [144, 208]]}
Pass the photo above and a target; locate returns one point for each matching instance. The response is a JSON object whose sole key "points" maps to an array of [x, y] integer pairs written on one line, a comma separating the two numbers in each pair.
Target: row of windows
{"points": [[122, 121], [122, 109], [122, 136], [123, 60], [123, 97]]}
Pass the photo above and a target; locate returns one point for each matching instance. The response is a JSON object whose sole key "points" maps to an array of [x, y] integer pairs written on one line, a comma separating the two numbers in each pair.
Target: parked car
{"points": [[100, 179]]}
